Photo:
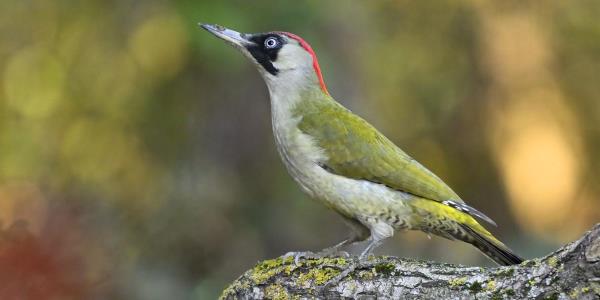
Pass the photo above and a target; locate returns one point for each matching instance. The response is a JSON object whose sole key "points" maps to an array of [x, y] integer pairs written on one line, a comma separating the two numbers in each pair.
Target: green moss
{"points": [[506, 272], [276, 292], [490, 286], [458, 281], [229, 291], [320, 271], [265, 270], [553, 261], [385, 268], [338, 261], [366, 275], [233, 288], [318, 276], [585, 289], [578, 292], [574, 294], [475, 287]]}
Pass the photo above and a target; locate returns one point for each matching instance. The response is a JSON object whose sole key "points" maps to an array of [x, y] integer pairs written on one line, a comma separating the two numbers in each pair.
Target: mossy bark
{"points": [[572, 272]]}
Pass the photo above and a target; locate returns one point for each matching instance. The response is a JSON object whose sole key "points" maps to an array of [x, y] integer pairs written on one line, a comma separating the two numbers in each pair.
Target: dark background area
{"points": [[137, 159]]}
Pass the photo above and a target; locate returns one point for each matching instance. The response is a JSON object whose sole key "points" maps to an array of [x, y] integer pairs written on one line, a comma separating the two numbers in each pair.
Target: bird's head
{"points": [[282, 58]]}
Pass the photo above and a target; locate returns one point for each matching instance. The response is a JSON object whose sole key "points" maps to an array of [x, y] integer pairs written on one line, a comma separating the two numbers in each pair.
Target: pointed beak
{"points": [[231, 36]]}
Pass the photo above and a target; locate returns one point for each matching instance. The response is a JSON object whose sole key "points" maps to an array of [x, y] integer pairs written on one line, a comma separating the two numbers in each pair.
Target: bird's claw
{"points": [[354, 263], [314, 255], [301, 254], [357, 263]]}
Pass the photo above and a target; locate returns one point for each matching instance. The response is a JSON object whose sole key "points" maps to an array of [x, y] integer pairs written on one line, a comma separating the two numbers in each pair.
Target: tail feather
{"points": [[456, 222], [463, 207], [491, 247]]}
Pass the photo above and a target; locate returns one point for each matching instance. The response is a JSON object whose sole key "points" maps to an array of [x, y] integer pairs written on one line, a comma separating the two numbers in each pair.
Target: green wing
{"points": [[355, 149]]}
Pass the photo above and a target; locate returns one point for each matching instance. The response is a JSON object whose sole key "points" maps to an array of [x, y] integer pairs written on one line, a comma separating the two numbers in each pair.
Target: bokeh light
{"points": [[137, 159]]}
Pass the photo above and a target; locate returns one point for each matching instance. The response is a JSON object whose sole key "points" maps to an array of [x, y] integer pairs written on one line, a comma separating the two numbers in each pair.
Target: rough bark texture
{"points": [[572, 272]]}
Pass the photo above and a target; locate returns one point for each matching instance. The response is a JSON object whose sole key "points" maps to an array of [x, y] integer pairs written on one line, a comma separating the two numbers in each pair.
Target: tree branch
{"points": [[571, 272]]}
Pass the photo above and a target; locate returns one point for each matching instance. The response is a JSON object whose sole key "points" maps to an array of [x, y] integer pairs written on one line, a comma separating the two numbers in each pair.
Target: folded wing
{"points": [[355, 149]]}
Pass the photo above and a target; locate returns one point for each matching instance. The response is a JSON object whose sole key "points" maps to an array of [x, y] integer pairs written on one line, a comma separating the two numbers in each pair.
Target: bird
{"points": [[342, 161]]}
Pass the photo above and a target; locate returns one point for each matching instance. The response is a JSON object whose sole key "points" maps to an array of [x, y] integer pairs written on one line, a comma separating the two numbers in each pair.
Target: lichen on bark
{"points": [[571, 272]]}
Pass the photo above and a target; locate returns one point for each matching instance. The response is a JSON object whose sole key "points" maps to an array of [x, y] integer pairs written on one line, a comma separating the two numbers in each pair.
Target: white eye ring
{"points": [[271, 43]]}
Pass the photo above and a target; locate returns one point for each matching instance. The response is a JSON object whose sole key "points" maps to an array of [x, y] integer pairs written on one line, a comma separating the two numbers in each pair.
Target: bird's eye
{"points": [[271, 43]]}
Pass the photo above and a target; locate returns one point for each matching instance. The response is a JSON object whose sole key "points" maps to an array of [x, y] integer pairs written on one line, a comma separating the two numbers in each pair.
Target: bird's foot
{"points": [[362, 262], [299, 255], [314, 255], [334, 252]]}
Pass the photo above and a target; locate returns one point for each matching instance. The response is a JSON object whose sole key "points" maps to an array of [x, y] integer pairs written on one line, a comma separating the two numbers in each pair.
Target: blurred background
{"points": [[137, 159]]}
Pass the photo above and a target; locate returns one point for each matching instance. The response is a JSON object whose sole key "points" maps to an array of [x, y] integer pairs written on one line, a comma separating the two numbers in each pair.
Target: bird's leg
{"points": [[323, 253], [379, 232], [335, 249], [359, 234], [299, 254], [355, 263], [374, 243], [330, 251]]}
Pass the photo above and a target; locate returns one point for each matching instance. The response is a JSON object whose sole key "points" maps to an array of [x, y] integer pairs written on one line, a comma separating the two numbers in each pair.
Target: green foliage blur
{"points": [[136, 154]]}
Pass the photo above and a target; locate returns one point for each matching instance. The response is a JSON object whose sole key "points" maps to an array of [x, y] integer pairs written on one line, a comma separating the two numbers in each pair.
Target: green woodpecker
{"points": [[342, 161]]}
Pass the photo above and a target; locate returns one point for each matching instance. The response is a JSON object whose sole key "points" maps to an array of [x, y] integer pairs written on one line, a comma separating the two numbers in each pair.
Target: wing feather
{"points": [[355, 149]]}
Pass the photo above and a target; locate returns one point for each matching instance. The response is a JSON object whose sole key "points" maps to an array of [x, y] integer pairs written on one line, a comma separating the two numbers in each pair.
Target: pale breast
{"points": [[354, 198], [351, 197]]}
